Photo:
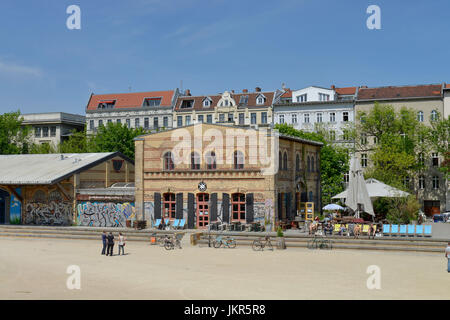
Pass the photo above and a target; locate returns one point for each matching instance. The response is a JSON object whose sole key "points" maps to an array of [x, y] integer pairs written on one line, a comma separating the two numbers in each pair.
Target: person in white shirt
{"points": [[121, 243], [447, 255]]}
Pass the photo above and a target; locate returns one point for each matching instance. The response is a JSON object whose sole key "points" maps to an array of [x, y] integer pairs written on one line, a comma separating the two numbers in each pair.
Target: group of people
{"points": [[108, 243], [328, 228]]}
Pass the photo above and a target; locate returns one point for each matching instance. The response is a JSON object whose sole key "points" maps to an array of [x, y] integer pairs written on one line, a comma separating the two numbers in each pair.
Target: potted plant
{"points": [[281, 243]]}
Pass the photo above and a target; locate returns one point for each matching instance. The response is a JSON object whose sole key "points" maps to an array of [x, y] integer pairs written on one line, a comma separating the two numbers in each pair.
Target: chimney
{"points": [[187, 92], [244, 90], [333, 87], [257, 89]]}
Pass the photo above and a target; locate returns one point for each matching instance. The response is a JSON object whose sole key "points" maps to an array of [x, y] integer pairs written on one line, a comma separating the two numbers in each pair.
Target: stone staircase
{"points": [[243, 238]]}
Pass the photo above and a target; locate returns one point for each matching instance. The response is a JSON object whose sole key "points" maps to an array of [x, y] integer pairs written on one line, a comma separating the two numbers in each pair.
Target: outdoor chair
{"points": [[427, 231], [337, 228], [411, 230], [419, 230], [394, 230], [181, 224], [157, 223], [386, 229], [402, 231], [365, 229]]}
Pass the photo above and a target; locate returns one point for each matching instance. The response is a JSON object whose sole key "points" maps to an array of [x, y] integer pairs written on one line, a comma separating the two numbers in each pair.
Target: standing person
{"points": [[104, 240], [121, 243], [447, 255], [110, 238]]}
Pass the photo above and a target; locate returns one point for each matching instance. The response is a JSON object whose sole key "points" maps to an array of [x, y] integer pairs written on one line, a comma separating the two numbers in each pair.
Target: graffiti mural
{"points": [[104, 214], [51, 213]]}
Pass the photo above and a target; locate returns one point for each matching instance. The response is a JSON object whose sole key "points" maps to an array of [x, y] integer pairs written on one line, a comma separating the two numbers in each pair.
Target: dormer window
{"points": [[185, 104], [244, 100], [106, 104], [207, 103], [260, 99], [152, 102]]}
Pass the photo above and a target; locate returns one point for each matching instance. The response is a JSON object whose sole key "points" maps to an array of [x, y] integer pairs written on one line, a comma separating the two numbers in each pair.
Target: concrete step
{"points": [[204, 243]]}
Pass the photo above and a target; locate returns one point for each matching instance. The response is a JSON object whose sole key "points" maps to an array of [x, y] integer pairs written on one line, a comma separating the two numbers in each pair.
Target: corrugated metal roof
{"points": [[45, 168]]}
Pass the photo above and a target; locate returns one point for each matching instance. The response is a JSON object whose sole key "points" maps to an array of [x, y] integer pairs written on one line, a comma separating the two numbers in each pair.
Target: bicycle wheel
{"points": [[269, 245], [311, 244], [160, 241], [231, 243], [217, 244], [168, 245], [257, 245]]}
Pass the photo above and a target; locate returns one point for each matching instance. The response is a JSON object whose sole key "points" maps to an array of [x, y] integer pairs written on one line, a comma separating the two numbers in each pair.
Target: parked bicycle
{"points": [[319, 242], [171, 242], [260, 244], [225, 241]]}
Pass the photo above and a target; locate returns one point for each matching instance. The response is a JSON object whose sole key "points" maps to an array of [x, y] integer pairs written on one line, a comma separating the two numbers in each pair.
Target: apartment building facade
{"points": [[315, 107], [229, 108], [53, 127], [149, 110]]}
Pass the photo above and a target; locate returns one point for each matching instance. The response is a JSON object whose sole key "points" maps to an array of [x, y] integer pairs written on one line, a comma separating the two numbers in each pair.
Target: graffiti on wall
{"points": [[51, 213], [105, 214]]}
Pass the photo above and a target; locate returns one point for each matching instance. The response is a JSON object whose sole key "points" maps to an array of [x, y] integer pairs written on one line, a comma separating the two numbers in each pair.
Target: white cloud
{"points": [[14, 69]]}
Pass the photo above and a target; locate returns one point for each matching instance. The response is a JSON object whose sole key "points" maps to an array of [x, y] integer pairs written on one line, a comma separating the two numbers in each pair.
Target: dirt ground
{"points": [[36, 269]]}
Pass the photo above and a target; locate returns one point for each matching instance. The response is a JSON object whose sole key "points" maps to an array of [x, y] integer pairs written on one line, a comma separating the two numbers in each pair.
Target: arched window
{"points": [[312, 164], [238, 207], [434, 115], [285, 161], [420, 116], [308, 164], [211, 160], [238, 160], [169, 205], [168, 161], [280, 161], [195, 161], [297, 162]]}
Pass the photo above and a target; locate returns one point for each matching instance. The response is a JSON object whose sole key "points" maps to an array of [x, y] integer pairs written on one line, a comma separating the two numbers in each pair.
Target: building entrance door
{"points": [[202, 210], [4, 198], [432, 207]]}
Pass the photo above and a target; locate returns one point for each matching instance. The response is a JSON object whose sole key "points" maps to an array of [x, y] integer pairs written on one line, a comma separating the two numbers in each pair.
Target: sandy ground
{"points": [[36, 269]]}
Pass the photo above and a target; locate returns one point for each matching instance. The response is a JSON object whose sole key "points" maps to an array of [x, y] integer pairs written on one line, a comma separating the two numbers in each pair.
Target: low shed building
{"points": [[42, 189]]}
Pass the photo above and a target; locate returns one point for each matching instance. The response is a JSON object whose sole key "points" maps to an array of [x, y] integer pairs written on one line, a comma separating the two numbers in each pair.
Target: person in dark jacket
{"points": [[110, 239], [104, 240]]}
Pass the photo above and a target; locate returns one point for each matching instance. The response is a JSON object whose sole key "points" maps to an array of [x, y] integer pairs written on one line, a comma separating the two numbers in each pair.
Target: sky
{"points": [[212, 46]]}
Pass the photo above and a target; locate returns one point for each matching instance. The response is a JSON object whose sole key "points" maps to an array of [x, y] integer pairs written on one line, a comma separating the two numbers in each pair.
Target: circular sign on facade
{"points": [[202, 186]]}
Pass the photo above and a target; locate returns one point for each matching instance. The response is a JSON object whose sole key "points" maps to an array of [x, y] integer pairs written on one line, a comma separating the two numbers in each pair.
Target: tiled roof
{"points": [[131, 100], [287, 94], [346, 90], [447, 86], [198, 100], [383, 93]]}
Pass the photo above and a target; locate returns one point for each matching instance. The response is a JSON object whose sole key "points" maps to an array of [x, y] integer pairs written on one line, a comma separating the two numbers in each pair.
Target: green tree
{"points": [[400, 143], [78, 142], [42, 148], [115, 137], [14, 138], [333, 160]]}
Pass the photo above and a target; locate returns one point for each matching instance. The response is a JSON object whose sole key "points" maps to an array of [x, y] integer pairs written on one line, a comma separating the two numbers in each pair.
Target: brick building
{"points": [[224, 173]]}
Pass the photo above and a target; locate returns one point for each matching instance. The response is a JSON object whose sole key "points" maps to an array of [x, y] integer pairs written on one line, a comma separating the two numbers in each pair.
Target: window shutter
{"points": [[157, 197], [226, 207], [288, 205], [179, 206], [191, 211], [249, 213], [280, 207], [213, 207]]}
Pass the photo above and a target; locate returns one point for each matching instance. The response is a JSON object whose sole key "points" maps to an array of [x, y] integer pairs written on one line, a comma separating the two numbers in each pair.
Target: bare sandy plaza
{"points": [[36, 269]]}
